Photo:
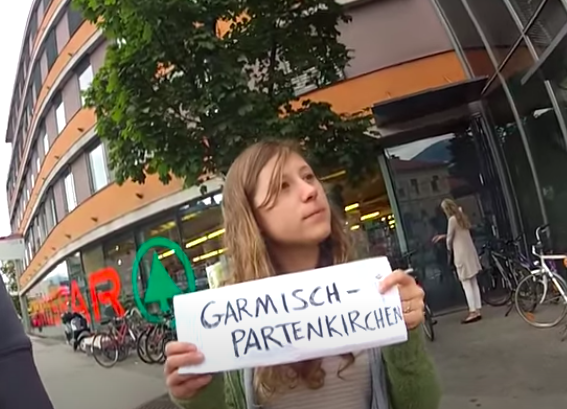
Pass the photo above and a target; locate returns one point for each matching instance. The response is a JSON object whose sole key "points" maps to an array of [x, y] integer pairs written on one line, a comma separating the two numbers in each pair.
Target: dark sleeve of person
{"points": [[20, 384]]}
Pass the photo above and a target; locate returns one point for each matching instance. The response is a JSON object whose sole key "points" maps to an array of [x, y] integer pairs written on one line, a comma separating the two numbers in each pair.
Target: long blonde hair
{"points": [[451, 208], [248, 256]]}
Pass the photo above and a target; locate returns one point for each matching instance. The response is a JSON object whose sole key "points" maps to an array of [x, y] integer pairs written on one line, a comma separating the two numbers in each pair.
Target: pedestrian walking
{"points": [[278, 220], [463, 255]]}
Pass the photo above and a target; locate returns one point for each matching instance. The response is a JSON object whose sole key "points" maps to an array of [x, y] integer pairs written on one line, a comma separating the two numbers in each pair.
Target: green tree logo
{"points": [[161, 287]]}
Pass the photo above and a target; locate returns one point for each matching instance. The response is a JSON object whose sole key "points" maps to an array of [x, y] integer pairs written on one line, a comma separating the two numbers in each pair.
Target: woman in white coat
{"points": [[465, 258]]}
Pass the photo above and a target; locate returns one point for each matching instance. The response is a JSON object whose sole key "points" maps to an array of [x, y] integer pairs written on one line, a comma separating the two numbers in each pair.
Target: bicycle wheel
{"points": [[544, 294], [105, 350], [428, 324], [168, 336], [141, 347], [154, 341], [494, 287]]}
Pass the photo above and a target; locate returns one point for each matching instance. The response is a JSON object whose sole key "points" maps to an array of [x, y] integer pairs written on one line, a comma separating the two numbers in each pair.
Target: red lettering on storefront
{"points": [[77, 298], [104, 288], [110, 296]]}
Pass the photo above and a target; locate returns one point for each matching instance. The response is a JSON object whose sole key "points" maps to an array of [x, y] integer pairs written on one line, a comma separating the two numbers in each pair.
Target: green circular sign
{"points": [[160, 287]]}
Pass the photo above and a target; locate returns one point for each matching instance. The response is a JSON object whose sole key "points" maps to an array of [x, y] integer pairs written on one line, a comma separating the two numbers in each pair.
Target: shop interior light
{"points": [[203, 239], [351, 207], [355, 227], [370, 216], [208, 255], [333, 176]]}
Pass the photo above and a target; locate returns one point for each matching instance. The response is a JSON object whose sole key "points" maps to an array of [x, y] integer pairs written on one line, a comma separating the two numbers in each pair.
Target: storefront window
{"points": [[120, 255], [497, 24], [202, 233], [513, 151], [468, 37], [428, 171], [77, 275], [48, 300], [367, 211], [168, 229]]}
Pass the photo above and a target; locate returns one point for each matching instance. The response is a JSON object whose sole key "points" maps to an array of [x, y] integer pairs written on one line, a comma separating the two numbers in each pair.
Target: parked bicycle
{"points": [[151, 343], [542, 286], [114, 343], [507, 266]]}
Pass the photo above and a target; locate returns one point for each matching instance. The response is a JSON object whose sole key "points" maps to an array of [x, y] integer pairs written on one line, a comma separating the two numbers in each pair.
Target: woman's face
{"points": [[300, 214]]}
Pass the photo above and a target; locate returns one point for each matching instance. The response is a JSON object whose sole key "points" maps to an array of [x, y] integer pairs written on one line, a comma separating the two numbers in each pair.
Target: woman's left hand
{"points": [[410, 293]]}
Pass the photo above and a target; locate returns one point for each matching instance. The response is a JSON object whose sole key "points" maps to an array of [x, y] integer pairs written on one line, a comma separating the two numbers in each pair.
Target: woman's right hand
{"points": [[183, 386]]}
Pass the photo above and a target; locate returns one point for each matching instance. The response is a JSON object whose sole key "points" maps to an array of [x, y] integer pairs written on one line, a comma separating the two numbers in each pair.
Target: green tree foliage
{"points": [[161, 287], [176, 97]]}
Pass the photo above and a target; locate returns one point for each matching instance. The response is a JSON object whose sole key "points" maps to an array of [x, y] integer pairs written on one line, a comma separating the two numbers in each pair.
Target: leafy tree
{"points": [[161, 287], [8, 270], [186, 85]]}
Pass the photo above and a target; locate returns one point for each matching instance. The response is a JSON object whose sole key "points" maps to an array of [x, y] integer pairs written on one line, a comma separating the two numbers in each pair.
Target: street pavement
{"points": [[498, 363], [74, 380]]}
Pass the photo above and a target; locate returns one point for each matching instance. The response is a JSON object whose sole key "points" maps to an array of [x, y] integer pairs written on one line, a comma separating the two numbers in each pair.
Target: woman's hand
{"points": [[411, 295], [183, 386], [436, 239]]}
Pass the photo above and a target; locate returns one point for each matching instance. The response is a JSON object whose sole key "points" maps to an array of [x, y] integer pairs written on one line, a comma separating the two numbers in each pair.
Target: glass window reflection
{"points": [[468, 37], [47, 300], [428, 171], [547, 25]]}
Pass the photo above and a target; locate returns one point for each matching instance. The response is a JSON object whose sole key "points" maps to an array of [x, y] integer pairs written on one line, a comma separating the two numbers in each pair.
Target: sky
{"points": [[15, 12]]}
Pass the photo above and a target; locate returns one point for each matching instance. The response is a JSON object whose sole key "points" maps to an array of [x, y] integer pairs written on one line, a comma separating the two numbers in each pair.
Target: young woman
{"points": [[465, 258], [277, 221]]}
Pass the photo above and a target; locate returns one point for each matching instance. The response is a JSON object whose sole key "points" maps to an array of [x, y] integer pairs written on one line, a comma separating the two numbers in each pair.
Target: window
{"points": [[32, 177], [75, 19], [42, 223], [414, 186], [36, 81], [50, 211], [33, 23], [60, 117], [70, 195], [98, 168], [45, 142], [85, 80], [46, 4], [37, 163], [51, 49], [435, 183]]}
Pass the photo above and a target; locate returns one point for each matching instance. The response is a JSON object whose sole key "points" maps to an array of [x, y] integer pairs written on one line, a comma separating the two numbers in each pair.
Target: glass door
{"points": [[425, 172]]}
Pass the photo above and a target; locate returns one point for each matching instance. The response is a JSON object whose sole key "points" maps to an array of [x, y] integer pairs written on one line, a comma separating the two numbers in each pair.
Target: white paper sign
{"points": [[291, 318]]}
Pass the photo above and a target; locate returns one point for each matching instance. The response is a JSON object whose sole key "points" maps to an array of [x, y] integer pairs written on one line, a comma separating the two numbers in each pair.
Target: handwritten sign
{"points": [[291, 318]]}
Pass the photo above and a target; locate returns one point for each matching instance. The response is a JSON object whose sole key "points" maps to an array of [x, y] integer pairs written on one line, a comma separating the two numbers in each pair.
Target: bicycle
{"points": [[508, 266], [428, 320], [542, 283], [114, 343], [150, 345]]}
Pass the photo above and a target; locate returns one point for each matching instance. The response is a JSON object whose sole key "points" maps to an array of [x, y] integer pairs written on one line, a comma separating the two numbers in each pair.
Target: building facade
{"points": [[491, 145]]}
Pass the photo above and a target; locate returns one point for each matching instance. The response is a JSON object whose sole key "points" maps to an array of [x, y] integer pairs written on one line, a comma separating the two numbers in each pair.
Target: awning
{"points": [[428, 102]]}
